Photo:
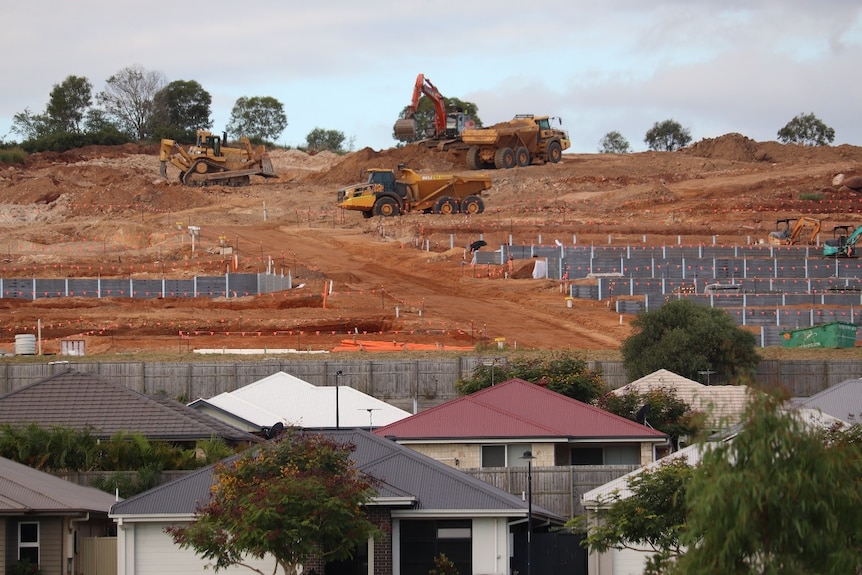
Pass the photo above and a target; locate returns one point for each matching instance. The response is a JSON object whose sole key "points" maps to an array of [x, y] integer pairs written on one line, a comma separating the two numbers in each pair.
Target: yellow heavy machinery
{"points": [[522, 141], [788, 237], [210, 162], [381, 194]]}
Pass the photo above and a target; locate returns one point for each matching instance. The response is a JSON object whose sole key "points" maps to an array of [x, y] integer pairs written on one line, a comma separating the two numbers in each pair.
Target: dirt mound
{"points": [[734, 147], [415, 156]]}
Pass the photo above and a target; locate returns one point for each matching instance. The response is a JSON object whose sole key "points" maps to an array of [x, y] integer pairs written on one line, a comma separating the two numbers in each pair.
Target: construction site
{"points": [[100, 249]]}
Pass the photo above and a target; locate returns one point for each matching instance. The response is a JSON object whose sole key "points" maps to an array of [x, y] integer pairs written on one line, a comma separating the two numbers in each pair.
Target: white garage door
{"points": [[156, 554], [628, 562]]}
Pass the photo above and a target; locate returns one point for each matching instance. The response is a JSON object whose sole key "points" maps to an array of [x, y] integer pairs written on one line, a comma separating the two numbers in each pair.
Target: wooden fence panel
{"points": [[97, 556]]}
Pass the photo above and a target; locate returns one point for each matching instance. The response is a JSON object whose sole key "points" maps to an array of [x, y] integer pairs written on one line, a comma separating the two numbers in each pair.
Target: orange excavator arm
{"points": [[405, 129]]}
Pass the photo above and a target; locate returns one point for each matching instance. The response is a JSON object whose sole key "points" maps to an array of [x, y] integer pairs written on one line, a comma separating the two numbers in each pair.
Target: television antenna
{"points": [[370, 411]]}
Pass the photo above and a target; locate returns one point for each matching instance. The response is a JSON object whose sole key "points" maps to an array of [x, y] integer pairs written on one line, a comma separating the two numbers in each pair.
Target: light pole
{"points": [[337, 375], [528, 455]]}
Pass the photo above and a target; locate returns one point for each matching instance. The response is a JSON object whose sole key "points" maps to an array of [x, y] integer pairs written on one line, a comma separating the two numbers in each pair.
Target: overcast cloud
{"points": [[715, 66]]}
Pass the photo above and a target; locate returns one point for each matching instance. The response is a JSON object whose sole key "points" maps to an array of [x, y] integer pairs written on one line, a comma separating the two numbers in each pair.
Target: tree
{"points": [[258, 118], [68, 103], [685, 338], [564, 372], [31, 126], [425, 114], [614, 143], [667, 136], [781, 497], [667, 412], [808, 130], [128, 100], [181, 109], [653, 516], [294, 499], [319, 140]]}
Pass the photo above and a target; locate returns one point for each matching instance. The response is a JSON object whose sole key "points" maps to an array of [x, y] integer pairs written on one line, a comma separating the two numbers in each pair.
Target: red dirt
{"points": [[105, 211]]}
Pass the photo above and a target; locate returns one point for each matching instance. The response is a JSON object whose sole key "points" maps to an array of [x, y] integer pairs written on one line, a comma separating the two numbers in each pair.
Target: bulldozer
{"points": [[522, 141], [787, 237], [210, 162]]}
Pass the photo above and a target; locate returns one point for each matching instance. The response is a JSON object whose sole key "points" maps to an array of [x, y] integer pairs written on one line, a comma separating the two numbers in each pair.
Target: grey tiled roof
{"points": [[402, 472], [82, 400], [27, 490]]}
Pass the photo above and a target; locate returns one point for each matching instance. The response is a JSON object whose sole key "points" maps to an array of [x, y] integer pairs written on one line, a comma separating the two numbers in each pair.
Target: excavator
{"points": [[210, 162], [788, 237], [844, 245], [447, 125]]}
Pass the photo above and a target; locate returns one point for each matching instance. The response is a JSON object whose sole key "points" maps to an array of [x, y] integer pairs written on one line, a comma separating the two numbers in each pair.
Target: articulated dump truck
{"points": [[383, 195], [520, 142]]}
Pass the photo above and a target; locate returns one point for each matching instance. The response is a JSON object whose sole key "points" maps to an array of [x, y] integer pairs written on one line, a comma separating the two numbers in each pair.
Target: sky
{"points": [[714, 66]]}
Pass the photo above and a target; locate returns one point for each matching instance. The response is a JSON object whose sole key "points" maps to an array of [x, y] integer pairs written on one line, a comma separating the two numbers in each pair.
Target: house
{"points": [[50, 522], [283, 398], [495, 426], [80, 400], [722, 405], [423, 507], [843, 401]]}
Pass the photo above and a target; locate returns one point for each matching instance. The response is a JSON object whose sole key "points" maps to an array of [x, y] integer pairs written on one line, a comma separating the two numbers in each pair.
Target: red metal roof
{"points": [[514, 409]]}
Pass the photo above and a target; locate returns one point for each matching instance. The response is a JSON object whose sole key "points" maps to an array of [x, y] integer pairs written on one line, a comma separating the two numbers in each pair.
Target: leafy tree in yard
{"points": [[563, 372], [294, 499], [260, 118], [181, 109], [68, 103], [667, 136], [319, 140], [653, 517], [425, 114], [808, 130], [781, 497], [129, 100], [667, 413], [614, 143], [685, 338]]}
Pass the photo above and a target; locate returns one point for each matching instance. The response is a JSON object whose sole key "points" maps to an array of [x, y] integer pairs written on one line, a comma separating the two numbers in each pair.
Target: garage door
{"points": [[628, 562]]}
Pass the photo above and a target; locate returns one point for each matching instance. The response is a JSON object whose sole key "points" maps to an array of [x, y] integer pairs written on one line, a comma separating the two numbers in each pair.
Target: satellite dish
{"points": [[641, 415], [274, 431]]}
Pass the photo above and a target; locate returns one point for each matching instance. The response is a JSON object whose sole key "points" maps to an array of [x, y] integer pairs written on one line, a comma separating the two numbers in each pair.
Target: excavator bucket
{"points": [[405, 129], [163, 169]]}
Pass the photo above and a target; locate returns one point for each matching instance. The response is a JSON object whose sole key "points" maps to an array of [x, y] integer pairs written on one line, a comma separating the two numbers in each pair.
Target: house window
{"points": [[607, 455], [505, 455], [28, 542], [422, 541]]}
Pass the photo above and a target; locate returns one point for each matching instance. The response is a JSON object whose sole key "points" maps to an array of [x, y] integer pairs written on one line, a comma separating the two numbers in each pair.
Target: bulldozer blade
{"points": [[405, 129], [163, 169]]}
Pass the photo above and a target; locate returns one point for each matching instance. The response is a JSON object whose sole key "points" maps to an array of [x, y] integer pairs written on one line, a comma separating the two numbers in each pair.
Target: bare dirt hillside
{"points": [[106, 212]]}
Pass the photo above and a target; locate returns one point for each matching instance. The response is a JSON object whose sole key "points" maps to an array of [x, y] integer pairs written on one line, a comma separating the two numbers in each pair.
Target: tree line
{"points": [[140, 105]]}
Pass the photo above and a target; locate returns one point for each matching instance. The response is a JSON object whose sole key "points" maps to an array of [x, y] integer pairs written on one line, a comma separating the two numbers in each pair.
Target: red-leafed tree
{"points": [[295, 499]]}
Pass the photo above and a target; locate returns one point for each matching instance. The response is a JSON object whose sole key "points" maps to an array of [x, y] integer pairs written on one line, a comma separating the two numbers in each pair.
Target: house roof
{"points": [[82, 400], [281, 397], [843, 400], [27, 490], [723, 404], [405, 477], [517, 409]]}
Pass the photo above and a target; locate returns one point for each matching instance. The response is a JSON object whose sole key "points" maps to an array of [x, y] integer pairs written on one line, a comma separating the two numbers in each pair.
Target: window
{"points": [[607, 455], [28, 542], [588, 456], [422, 541], [505, 455]]}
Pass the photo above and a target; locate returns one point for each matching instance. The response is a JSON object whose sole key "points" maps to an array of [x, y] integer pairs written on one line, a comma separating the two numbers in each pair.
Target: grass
{"points": [[12, 156]]}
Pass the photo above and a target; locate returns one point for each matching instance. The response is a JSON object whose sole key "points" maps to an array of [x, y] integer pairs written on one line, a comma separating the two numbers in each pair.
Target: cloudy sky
{"points": [[715, 66]]}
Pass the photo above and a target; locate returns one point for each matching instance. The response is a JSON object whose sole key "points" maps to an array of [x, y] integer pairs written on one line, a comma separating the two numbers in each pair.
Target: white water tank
{"points": [[25, 344]]}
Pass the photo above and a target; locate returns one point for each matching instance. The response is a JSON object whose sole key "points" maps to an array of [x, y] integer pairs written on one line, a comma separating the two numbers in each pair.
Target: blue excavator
{"points": [[844, 245]]}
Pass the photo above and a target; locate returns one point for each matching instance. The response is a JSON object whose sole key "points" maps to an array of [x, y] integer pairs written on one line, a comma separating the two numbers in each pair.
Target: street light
{"points": [[528, 456], [337, 375]]}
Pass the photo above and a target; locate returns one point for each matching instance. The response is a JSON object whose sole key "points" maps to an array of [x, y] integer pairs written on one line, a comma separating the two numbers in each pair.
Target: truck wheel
{"points": [[555, 151], [522, 157], [504, 158], [473, 160], [386, 207], [472, 205], [446, 206]]}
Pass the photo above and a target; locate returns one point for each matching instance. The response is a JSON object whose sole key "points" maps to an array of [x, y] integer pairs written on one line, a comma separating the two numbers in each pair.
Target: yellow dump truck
{"points": [[522, 141], [211, 162], [382, 194]]}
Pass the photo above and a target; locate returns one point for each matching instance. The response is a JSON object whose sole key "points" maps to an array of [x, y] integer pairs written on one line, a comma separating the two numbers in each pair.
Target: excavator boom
{"points": [[405, 128]]}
